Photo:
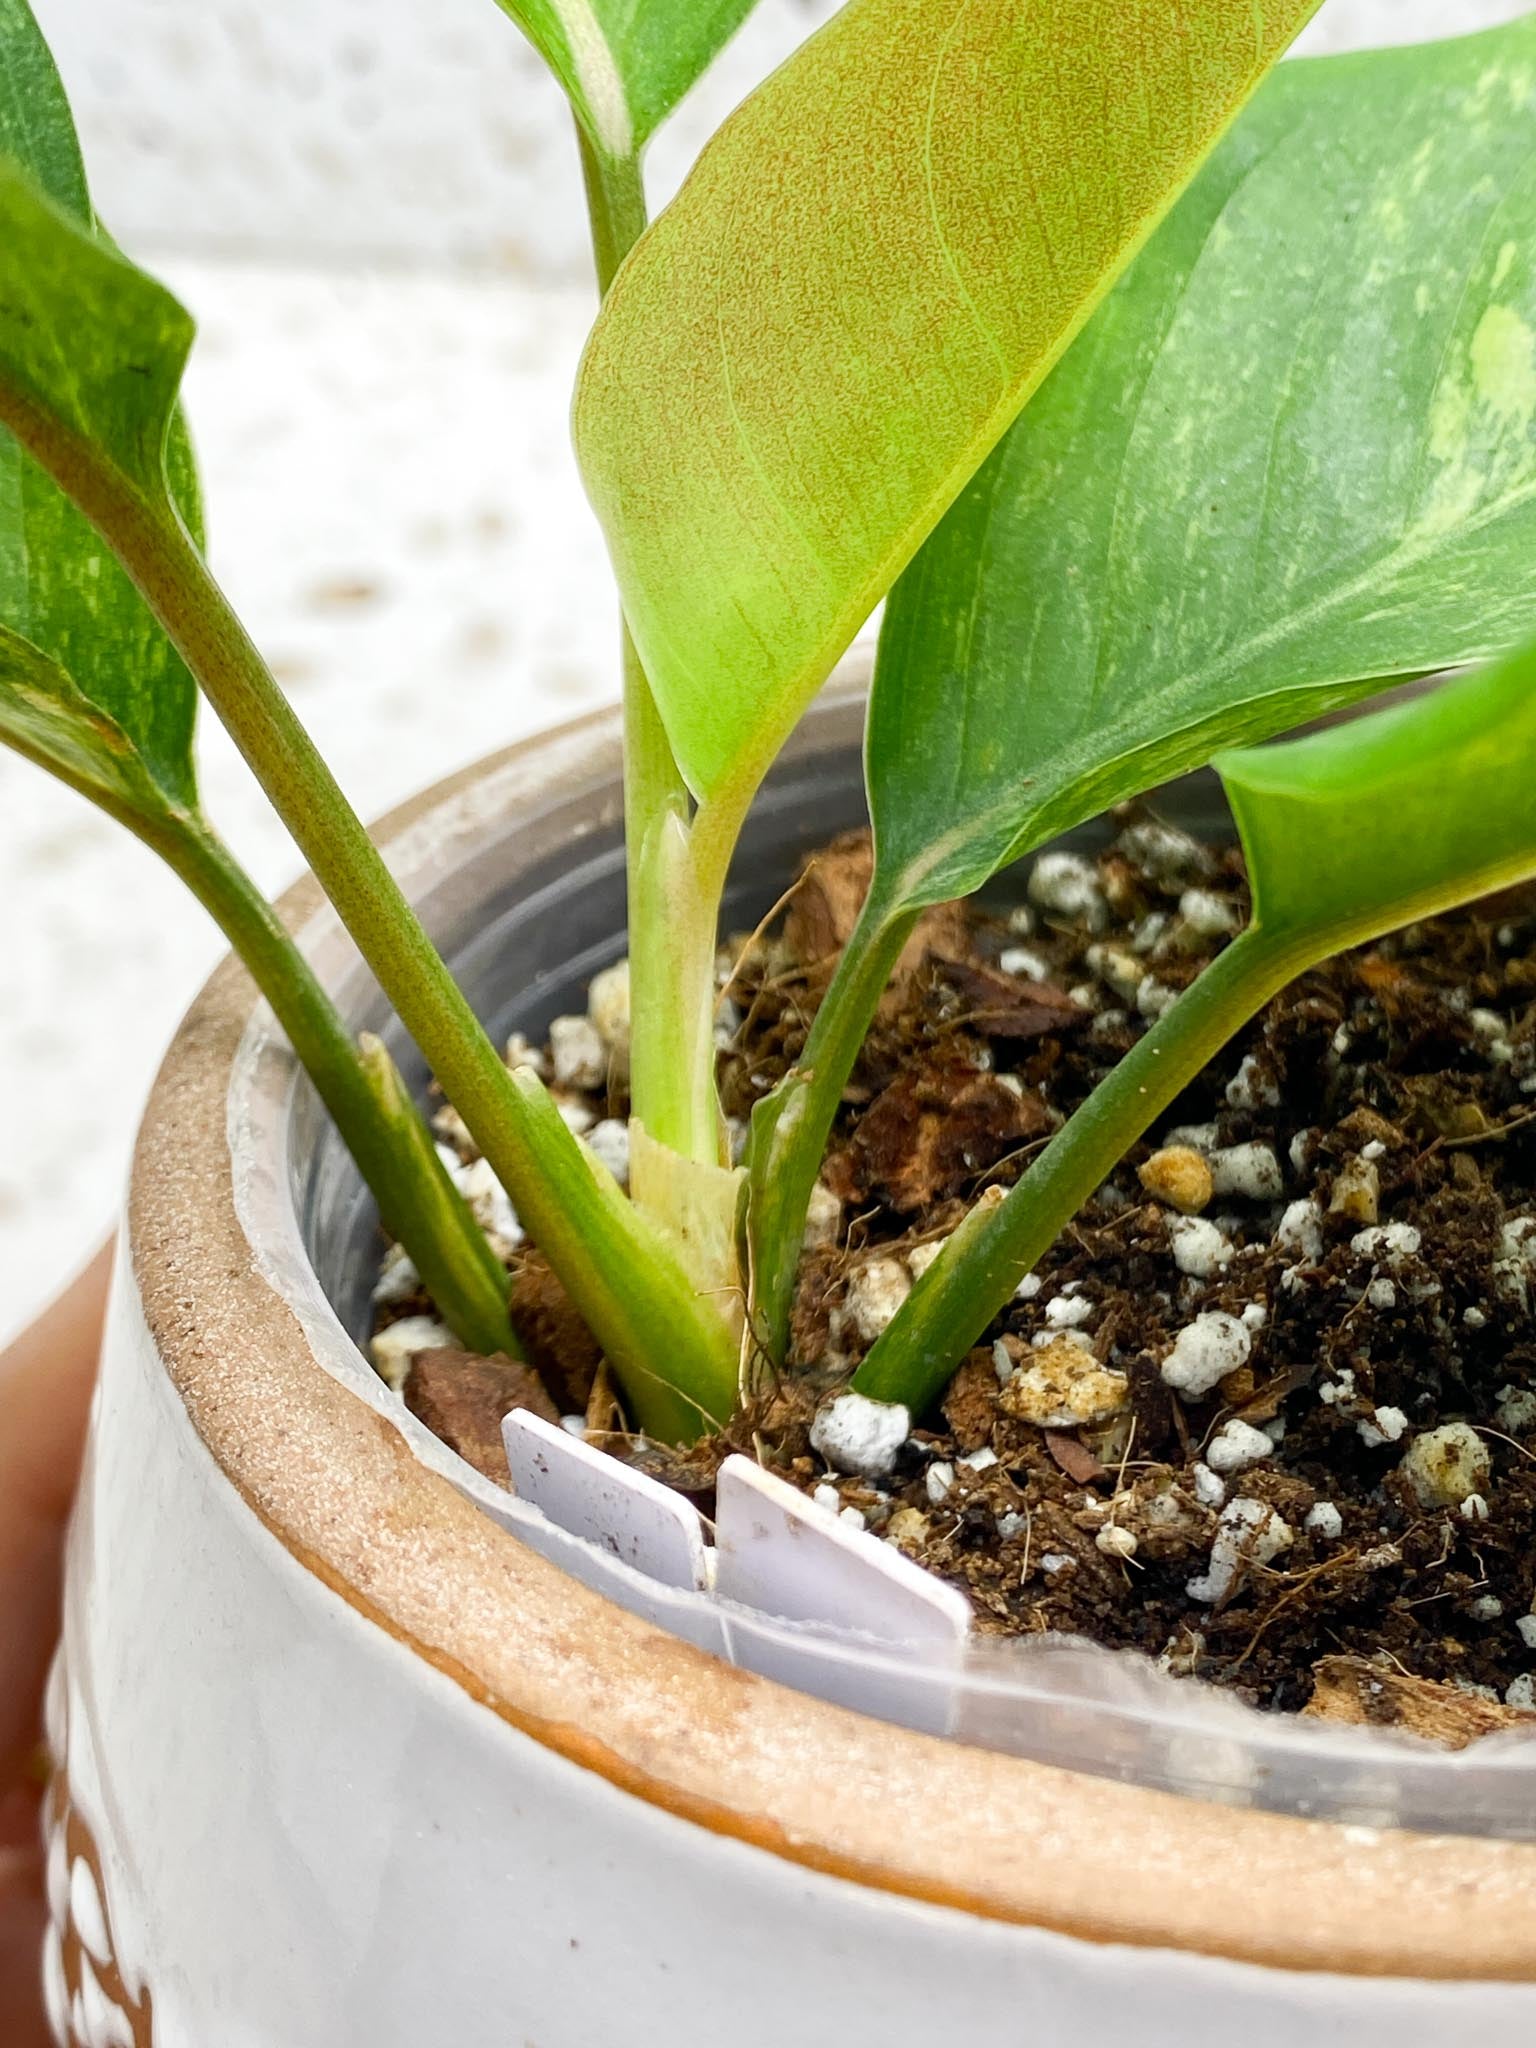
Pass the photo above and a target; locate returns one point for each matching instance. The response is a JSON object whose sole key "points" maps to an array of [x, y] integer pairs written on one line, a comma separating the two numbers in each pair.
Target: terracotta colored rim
{"points": [[911, 1814]]}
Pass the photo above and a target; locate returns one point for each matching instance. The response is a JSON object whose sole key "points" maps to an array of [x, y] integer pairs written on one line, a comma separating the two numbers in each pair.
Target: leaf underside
{"points": [[871, 267], [1293, 455]]}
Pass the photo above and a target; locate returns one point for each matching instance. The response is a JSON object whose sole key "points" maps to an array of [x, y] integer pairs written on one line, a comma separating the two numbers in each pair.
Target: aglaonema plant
{"points": [[1164, 420]]}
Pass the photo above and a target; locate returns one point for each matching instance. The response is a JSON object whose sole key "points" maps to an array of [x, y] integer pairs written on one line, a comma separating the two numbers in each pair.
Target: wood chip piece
{"points": [[1073, 1456], [1364, 1694], [461, 1397]]}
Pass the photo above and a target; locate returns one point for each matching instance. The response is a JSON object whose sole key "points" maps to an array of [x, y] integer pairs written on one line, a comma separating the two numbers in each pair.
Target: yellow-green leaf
{"points": [[871, 268]]}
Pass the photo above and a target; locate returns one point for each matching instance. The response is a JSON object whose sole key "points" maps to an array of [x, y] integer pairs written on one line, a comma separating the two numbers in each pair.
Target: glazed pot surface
{"points": [[344, 1760]]}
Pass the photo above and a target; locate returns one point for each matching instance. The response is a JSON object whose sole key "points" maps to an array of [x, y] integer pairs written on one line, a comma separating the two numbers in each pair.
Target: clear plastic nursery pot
{"points": [[351, 1747]]}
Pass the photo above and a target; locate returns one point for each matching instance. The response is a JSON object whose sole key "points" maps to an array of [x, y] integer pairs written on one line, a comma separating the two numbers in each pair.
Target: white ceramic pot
{"points": [[344, 1760]]}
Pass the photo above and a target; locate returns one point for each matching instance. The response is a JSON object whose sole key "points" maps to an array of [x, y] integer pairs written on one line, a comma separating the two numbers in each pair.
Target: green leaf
{"points": [[872, 266], [1348, 834], [35, 122], [45, 715], [625, 64], [60, 588], [1353, 831], [1294, 455], [90, 344]]}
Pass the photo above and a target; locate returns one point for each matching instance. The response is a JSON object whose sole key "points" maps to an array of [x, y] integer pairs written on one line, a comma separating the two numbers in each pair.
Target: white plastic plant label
{"points": [[785, 1557], [781, 1553], [591, 1495]]}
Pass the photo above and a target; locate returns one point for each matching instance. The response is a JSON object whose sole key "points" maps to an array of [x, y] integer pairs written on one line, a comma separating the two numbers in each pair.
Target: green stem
{"points": [[791, 1126], [673, 906], [979, 1269], [672, 937], [622, 1275], [394, 1153], [626, 1278], [633, 1292], [616, 206]]}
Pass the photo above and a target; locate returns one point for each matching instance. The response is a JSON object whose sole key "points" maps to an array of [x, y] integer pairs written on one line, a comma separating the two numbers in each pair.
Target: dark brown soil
{"points": [[1393, 1091]]}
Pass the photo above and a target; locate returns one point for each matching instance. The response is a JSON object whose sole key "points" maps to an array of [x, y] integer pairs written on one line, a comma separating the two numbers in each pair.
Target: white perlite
{"points": [[452, 1164], [1527, 1628], [823, 1216], [1198, 1137], [1210, 1491], [1381, 1294], [1025, 962], [1199, 1248], [938, 1479], [1116, 1542], [1324, 1520], [1155, 998], [875, 1292], [577, 1053], [1117, 969], [393, 1349], [490, 1204], [855, 1434], [608, 1007], [609, 1142], [1236, 1446], [1389, 1241], [1251, 1172], [398, 1278], [1069, 885], [1209, 914], [1249, 1532], [1068, 1312], [1300, 1230], [1517, 1410], [1522, 1693], [1514, 1262], [1447, 1466], [1164, 853], [520, 1053], [1251, 1087], [1382, 1426], [1204, 1352], [922, 1256]]}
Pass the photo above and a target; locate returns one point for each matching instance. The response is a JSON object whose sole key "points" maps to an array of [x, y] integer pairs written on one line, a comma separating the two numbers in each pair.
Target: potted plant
{"points": [[1164, 419]]}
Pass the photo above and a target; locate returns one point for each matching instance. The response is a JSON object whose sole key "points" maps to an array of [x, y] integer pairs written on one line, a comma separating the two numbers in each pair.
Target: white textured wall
{"points": [[424, 130], [419, 129], [391, 499]]}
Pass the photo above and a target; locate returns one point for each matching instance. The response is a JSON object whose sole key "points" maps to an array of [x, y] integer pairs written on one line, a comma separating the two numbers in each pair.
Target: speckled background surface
{"points": [[372, 208]]}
